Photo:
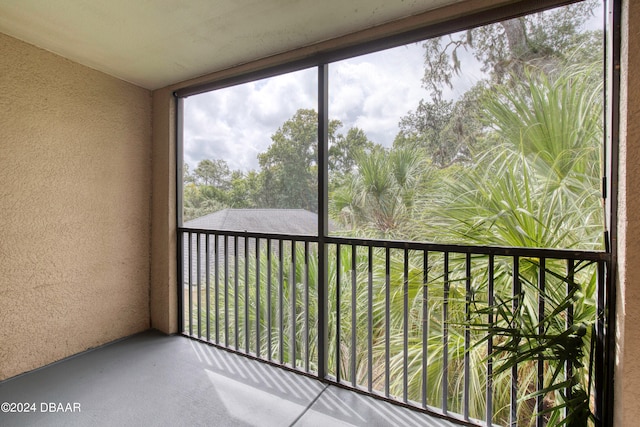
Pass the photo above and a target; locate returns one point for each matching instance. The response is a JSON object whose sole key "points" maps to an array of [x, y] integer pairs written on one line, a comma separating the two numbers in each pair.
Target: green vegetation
{"points": [[515, 161]]}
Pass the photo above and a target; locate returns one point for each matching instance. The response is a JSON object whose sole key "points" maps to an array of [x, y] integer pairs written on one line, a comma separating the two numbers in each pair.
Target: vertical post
{"points": [[604, 407], [180, 244], [600, 369], [323, 224], [179, 235]]}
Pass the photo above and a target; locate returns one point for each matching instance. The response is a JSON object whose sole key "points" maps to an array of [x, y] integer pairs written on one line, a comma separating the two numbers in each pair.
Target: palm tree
{"points": [[539, 187], [540, 184], [378, 198]]}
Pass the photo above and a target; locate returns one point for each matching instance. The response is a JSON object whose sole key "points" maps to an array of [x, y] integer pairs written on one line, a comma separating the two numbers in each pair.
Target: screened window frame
{"points": [[323, 58]]}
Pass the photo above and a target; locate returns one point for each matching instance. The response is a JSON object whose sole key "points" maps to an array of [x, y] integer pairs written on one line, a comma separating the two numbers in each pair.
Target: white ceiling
{"points": [[154, 43]]}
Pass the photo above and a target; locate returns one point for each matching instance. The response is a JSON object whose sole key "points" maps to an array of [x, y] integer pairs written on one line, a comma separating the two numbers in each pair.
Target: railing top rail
{"points": [[252, 234], [548, 253], [476, 250]]}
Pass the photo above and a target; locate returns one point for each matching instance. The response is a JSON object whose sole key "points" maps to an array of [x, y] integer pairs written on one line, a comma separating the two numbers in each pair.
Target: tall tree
{"points": [[423, 129], [213, 172], [245, 190], [505, 47], [346, 148], [187, 177], [290, 164]]}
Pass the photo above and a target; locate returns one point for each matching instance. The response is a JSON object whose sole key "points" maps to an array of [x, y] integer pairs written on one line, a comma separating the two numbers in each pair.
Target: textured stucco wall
{"points": [[627, 376], [164, 306], [75, 194]]}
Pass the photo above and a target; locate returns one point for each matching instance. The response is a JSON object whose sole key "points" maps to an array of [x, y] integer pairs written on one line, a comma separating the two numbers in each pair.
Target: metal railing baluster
{"points": [[269, 308], [216, 270], [247, 328], [353, 315], [306, 306], [370, 319], [425, 326], [467, 337], [293, 282], [226, 290], [569, 324], [387, 318], [513, 418], [338, 311], [235, 293], [258, 310], [445, 335], [540, 421], [281, 300], [405, 325], [190, 249], [199, 285], [181, 276], [208, 284], [490, 320]]}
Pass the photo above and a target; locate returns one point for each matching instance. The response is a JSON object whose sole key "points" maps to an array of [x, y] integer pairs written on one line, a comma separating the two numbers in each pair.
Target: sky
{"points": [[372, 92]]}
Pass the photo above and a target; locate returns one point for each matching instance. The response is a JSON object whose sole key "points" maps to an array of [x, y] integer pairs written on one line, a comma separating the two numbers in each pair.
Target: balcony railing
{"points": [[423, 325]]}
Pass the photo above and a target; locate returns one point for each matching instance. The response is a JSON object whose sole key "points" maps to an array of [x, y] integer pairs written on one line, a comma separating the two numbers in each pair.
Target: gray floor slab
{"points": [[339, 407], [156, 380]]}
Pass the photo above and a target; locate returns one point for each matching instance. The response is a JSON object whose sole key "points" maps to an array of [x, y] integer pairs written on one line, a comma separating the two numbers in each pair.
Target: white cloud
{"points": [[236, 123], [372, 92]]}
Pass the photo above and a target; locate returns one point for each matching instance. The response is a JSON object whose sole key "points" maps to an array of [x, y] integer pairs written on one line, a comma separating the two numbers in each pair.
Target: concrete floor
{"points": [[152, 379]]}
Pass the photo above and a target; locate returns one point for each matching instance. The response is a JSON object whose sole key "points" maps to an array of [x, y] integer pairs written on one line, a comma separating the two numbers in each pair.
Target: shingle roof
{"points": [[280, 221]]}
